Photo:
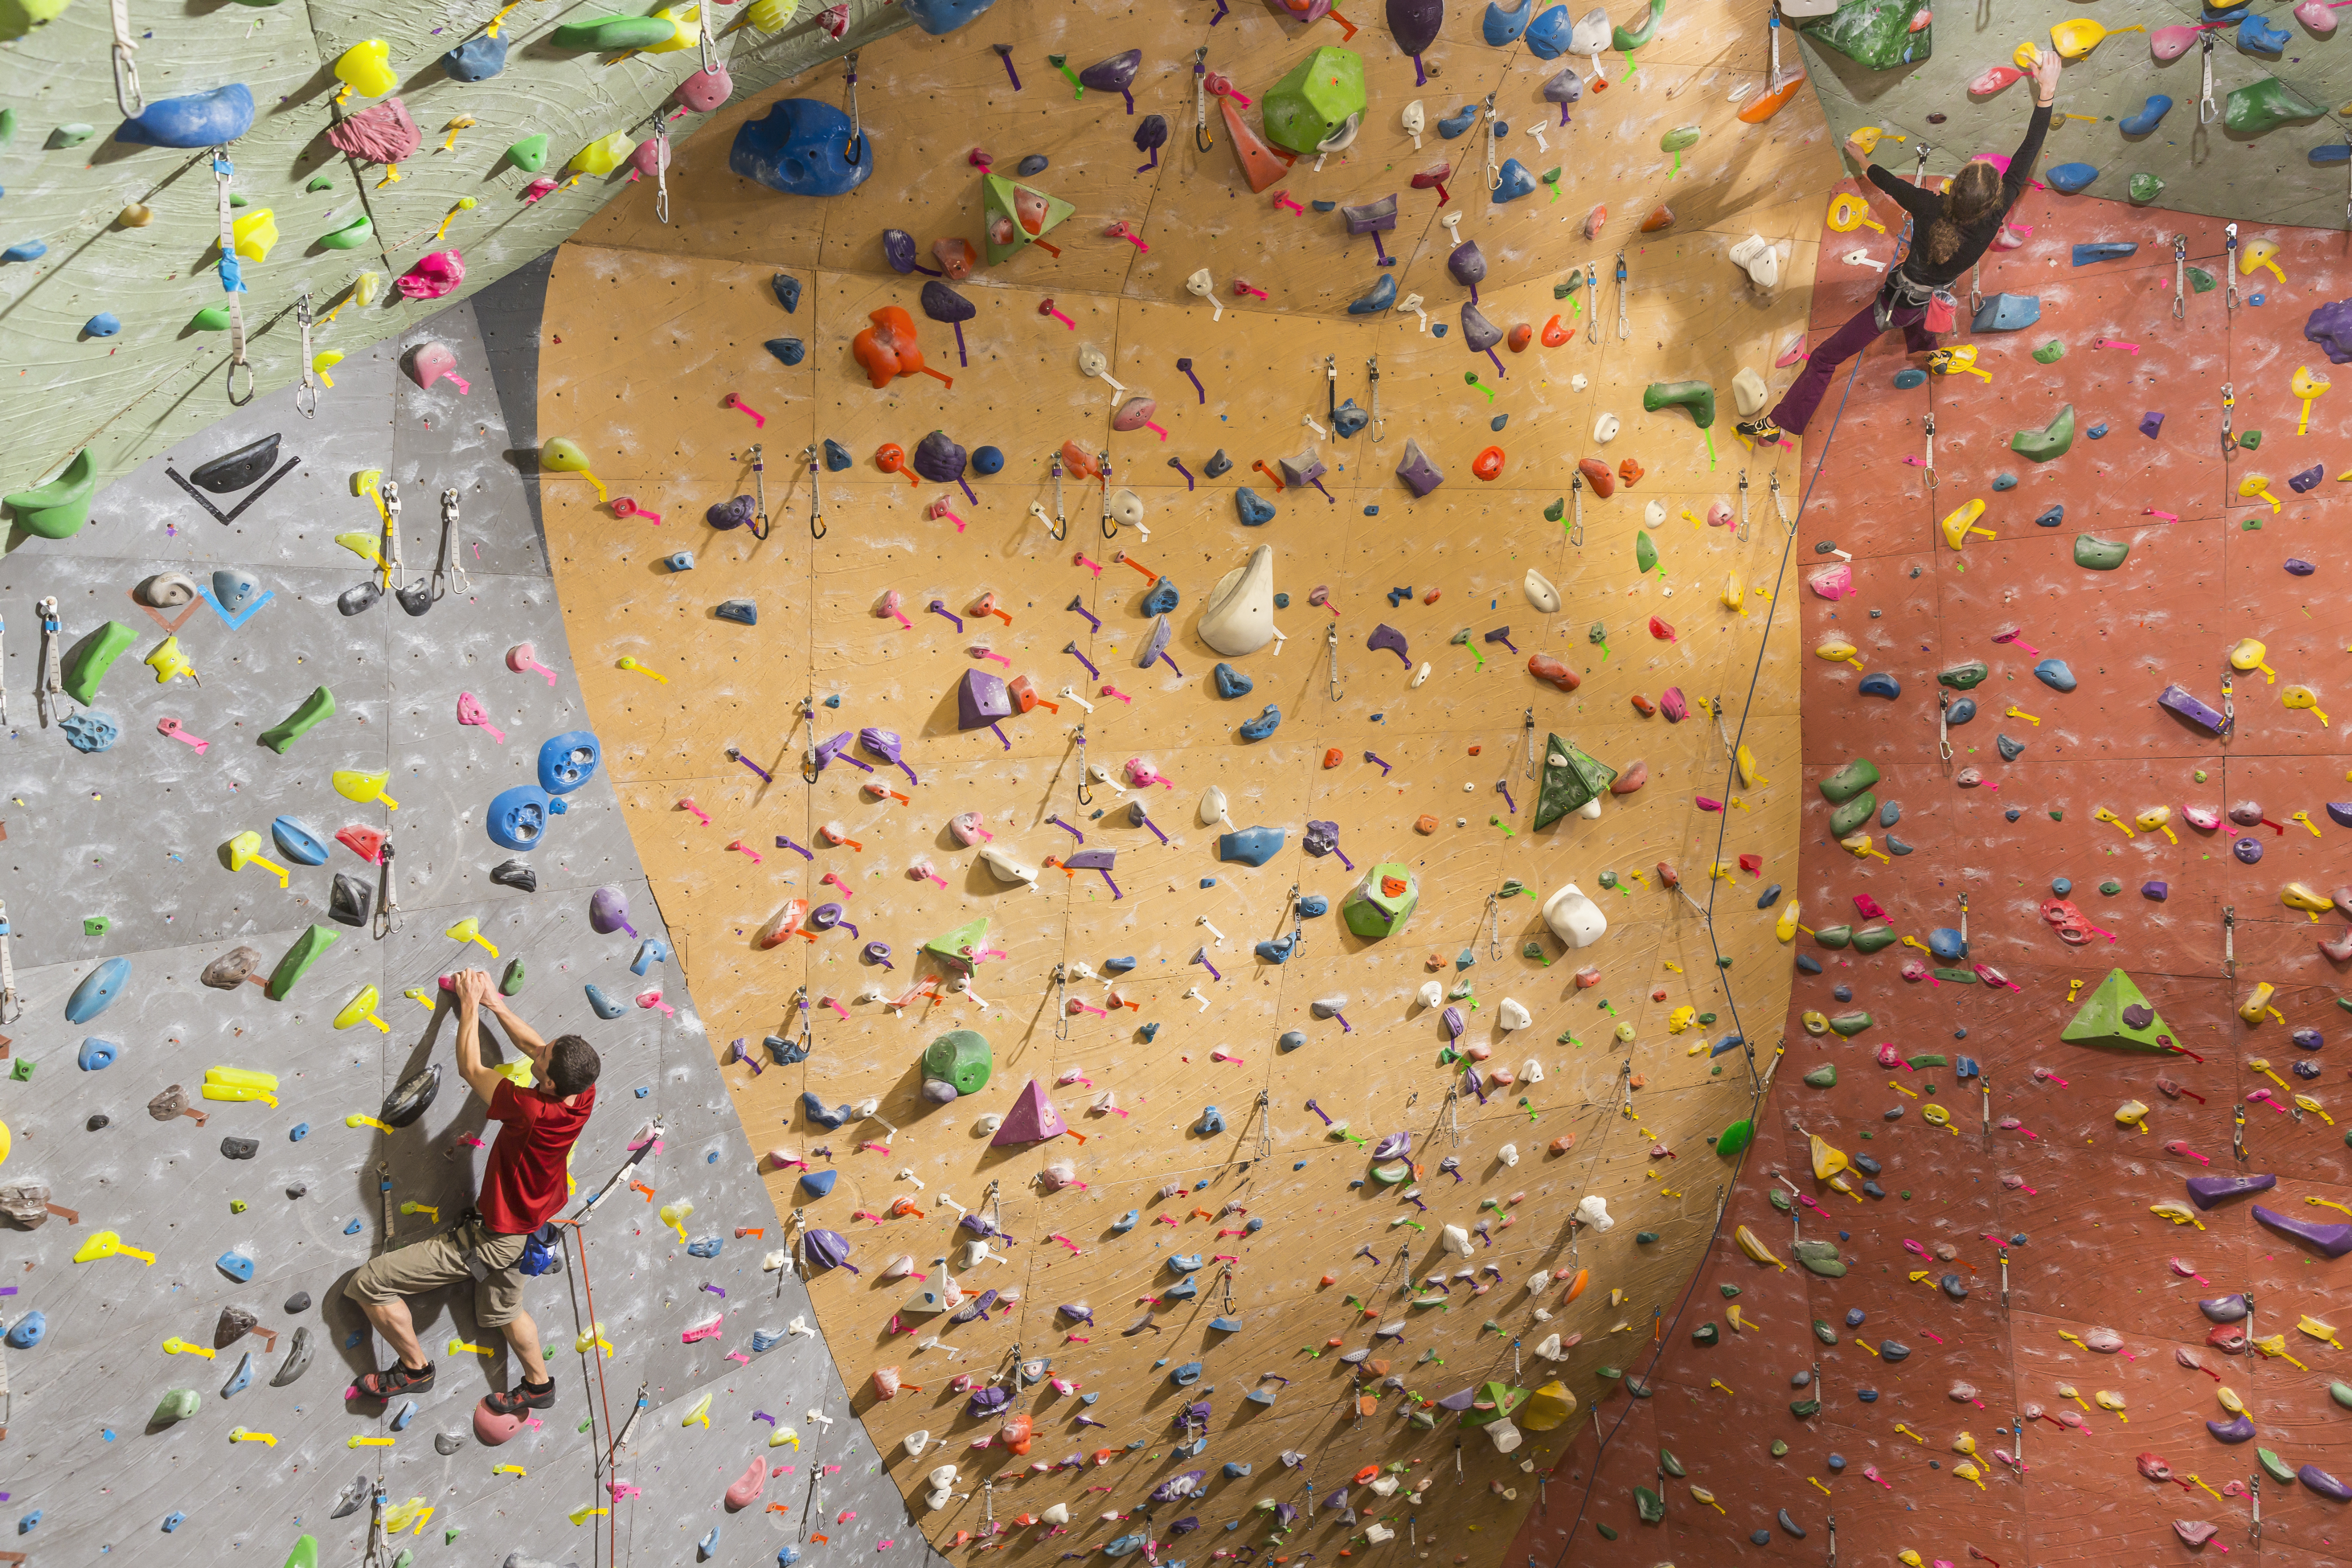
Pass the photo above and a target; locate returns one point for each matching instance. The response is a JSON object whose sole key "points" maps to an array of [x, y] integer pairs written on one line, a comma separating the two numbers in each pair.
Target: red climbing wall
{"points": [[2035, 1152]]}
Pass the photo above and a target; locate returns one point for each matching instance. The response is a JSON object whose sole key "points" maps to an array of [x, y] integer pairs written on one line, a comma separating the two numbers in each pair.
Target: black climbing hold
{"points": [[1808, 964], [1789, 1525], [515, 874], [415, 1094], [240, 1148], [234, 471], [742, 611], [1034, 164], [297, 1302], [350, 900], [1760, 1538], [352, 601], [416, 598], [98, 1120]]}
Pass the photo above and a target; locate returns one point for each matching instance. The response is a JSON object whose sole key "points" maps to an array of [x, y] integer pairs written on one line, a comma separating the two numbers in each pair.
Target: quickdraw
{"points": [[232, 281], [449, 567], [816, 501], [2179, 275], [52, 684], [306, 396]]}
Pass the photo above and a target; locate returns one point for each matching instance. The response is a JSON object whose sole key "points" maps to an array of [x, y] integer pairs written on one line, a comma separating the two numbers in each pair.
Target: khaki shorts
{"points": [[441, 1260]]}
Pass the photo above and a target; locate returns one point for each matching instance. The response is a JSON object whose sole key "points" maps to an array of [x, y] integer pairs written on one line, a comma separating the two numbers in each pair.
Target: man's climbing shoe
{"points": [[400, 1379], [522, 1397], [1761, 430]]}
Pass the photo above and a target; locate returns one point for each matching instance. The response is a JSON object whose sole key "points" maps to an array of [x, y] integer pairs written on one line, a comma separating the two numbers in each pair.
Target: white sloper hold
{"points": [[1595, 1210], [1431, 994], [1006, 868], [1212, 807], [1386, 1486], [1548, 1348], [1508, 1154], [1532, 1071], [1456, 1239], [1511, 1015], [1057, 1513], [1655, 514], [774, 1261], [1574, 917], [1239, 616], [1542, 1278], [915, 1442], [1379, 1533], [1604, 430], [1540, 593], [1591, 33], [1507, 1436], [899, 1267], [1748, 393], [1760, 259], [987, 1124]]}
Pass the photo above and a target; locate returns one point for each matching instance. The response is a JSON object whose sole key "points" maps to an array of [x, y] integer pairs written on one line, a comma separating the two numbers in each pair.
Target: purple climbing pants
{"points": [[1804, 393]]}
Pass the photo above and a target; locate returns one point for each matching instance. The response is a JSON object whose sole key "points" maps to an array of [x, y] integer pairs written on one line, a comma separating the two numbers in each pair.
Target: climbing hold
{"points": [[2261, 106], [2051, 441], [195, 120], [802, 147], [2144, 121], [2006, 313], [2072, 178]]}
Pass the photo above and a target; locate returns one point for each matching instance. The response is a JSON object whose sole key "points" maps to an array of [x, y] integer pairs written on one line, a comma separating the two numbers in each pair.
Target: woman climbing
{"points": [[1949, 234]]}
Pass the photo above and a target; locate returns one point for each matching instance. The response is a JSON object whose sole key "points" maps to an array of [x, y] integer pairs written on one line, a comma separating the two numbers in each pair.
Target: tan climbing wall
{"points": [[647, 333]]}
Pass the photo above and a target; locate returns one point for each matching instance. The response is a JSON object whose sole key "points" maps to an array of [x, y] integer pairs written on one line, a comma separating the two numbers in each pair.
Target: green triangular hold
{"points": [[1876, 33], [530, 155], [2118, 1014], [1495, 1401], [955, 948], [305, 1554], [1569, 780], [1013, 214]]}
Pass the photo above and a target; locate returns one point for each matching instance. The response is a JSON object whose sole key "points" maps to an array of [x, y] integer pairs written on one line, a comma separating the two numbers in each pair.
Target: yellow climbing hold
{"points": [[1752, 1246]]}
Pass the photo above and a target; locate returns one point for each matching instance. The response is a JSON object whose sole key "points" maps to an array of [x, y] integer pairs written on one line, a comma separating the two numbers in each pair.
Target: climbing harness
{"points": [[1330, 640], [306, 396], [2229, 258], [52, 683], [1201, 137], [387, 910], [2179, 275], [2207, 110], [816, 503], [449, 568], [1927, 427], [127, 96], [232, 279], [1624, 324]]}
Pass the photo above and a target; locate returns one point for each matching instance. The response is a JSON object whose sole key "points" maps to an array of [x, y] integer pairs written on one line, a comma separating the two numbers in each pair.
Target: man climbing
{"points": [[522, 1185], [1950, 232]]}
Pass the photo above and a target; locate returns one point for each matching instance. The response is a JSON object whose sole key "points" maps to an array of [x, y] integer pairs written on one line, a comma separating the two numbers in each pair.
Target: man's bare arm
{"points": [[478, 1078], [526, 1038]]}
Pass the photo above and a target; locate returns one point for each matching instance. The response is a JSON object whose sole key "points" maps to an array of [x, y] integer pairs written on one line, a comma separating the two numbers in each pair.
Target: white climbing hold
{"points": [[1749, 393], [1508, 1154], [1540, 593], [1239, 616], [917, 1441], [1595, 1210], [774, 1261], [1213, 807], [1420, 675], [1004, 868], [1605, 428], [987, 1124], [1431, 994], [1655, 514], [1057, 1513], [1574, 917], [1456, 1239], [1577, 382], [1761, 259], [1507, 1436], [1532, 1071], [1548, 1348], [1379, 1533], [1511, 1015]]}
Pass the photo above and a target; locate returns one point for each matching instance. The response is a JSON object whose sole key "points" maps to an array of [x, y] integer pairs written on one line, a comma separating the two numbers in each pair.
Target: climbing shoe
{"points": [[400, 1379], [522, 1397], [1761, 430]]}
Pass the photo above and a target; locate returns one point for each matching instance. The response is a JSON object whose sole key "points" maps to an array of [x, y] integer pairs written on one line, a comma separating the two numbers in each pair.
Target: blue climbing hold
{"points": [[476, 59], [1162, 598], [650, 952], [27, 1332], [96, 1054], [1502, 28], [2330, 155], [1512, 182], [606, 1006], [1276, 951], [2054, 674], [1347, 419], [1265, 724], [2098, 432], [1382, 295], [939, 16], [1808, 964], [1909, 377], [1313, 904], [298, 843], [1890, 814], [988, 461], [1231, 682], [2104, 250], [788, 291], [25, 251], [2006, 313], [819, 1114], [679, 560], [1768, 897], [241, 1378], [704, 1247], [191, 121], [2005, 483], [567, 760], [2156, 107], [1961, 712], [236, 1266], [2053, 517], [817, 1184], [1256, 510], [105, 324], [1878, 683], [1547, 37], [2257, 37], [1212, 1122], [802, 148], [788, 351], [2073, 177], [1125, 1222], [1947, 944], [1251, 846], [1455, 124], [836, 457], [98, 991]]}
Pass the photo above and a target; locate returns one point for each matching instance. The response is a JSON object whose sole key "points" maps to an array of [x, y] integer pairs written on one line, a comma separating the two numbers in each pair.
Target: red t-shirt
{"points": [[523, 1184]]}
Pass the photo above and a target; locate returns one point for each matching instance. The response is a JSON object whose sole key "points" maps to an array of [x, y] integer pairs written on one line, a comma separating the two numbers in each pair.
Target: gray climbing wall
{"points": [[133, 835]]}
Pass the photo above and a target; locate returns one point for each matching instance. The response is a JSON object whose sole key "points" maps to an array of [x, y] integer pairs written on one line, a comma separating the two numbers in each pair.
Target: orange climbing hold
{"points": [[1596, 474], [1662, 218]]}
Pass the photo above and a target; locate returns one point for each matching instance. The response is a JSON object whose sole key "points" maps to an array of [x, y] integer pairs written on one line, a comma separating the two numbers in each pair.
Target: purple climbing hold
{"points": [[2150, 423], [1478, 333], [2308, 479], [2180, 700], [1116, 74], [2155, 892], [2207, 1191], [2238, 1430], [1385, 636], [2330, 327], [2248, 851], [2297, 566], [2330, 1240], [2226, 1309], [1467, 266], [981, 699], [2323, 1483], [1413, 23], [1420, 475]]}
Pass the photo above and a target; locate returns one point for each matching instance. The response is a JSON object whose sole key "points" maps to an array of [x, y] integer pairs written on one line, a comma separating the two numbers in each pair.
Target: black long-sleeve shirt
{"points": [[1926, 206]]}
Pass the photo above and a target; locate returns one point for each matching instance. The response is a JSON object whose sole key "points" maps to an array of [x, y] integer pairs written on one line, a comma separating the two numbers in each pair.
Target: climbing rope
{"points": [[232, 281], [127, 96]]}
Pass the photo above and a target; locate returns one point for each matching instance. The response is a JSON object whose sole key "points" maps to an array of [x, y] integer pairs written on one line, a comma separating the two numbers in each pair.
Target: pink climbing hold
{"points": [[652, 157], [1032, 1120], [747, 1487], [380, 134], [431, 361], [435, 275], [538, 188]]}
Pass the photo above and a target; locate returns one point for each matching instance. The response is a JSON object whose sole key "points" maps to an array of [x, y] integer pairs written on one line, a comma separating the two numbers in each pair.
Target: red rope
{"points": [[612, 1516]]}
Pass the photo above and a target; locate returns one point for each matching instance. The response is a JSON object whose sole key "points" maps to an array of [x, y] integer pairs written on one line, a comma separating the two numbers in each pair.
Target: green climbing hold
{"points": [[1779, 1199], [1645, 1237], [1822, 1077], [1735, 1139], [1802, 1409], [89, 661], [2100, 554], [349, 236], [2144, 188], [1875, 939], [1606, 1533], [1780, 1449], [1850, 816], [2264, 105], [1849, 1024], [2052, 440], [960, 1058], [1645, 551], [1611, 1372], [1876, 32], [956, 947], [2274, 1467], [1849, 781], [1650, 1505], [2118, 1014], [2341, 1391], [1570, 781], [298, 958], [211, 319], [2249, 440], [178, 1404], [530, 155], [2201, 281], [510, 983], [7, 126], [1835, 936], [58, 509], [2051, 352], [1696, 395], [1729, 1291], [318, 183], [315, 709], [1624, 38], [1965, 677], [1929, 1059], [1705, 1334], [1315, 101], [1823, 1333], [1668, 1463], [615, 33], [305, 1554], [1821, 1257], [1558, 510]]}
